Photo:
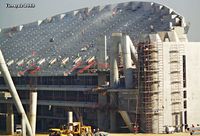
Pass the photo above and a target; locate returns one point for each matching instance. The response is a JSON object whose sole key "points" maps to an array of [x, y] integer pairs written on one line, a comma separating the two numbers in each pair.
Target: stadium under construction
{"points": [[115, 66]]}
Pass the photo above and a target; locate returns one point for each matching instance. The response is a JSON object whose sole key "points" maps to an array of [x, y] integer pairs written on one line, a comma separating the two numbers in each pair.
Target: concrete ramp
{"points": [[127, 120]]}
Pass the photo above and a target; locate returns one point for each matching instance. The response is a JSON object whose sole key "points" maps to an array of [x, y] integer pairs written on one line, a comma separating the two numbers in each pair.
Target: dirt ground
{"points": [[175, 134], [125, 134]]}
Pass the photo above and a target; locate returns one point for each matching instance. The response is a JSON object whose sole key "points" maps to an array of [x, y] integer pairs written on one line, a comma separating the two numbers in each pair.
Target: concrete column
{"points": [[33, 110], [101, 78], [23, 123], [134, 54], [114, 77], [102, 101], [128, 70], [114, 73], [102, 114], [102, 53], [10, 120], [70, 120], [113, 112], [13, 92], [113, 122]]}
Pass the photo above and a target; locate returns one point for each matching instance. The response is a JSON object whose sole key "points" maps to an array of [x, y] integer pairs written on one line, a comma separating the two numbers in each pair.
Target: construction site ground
{"points": [[174, 134], [131, 134]]}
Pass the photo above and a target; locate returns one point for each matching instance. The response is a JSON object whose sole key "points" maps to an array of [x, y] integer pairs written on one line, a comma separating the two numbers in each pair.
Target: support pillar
{"points": [[70, 121], [113, 122], [13, 92], [102, 113], [128, 69], [134, 54], [102, 54], [10, 120], [33, 110], [114, 77], [102, 101], [114, 49], [113, 112], [23, 123]]}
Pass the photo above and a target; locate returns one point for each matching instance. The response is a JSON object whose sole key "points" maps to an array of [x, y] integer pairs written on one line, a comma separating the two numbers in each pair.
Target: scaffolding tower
{"points": [[150, 57]]}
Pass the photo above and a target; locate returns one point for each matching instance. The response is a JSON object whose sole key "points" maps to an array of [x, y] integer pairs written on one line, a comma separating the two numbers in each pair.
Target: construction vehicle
{"points": [[75, 129]]}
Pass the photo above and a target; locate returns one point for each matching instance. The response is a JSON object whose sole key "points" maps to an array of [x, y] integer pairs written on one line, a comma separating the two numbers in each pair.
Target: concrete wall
{"points": [[167, 95], [173, 83], [192, 51], [167, 110]]}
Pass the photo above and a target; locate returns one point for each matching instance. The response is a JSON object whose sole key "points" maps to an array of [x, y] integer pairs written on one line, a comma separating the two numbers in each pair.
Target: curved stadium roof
{"points": [[75, 34]]}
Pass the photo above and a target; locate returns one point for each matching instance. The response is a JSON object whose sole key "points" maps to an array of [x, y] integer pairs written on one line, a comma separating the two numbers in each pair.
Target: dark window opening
{"points": [[185, 104], [176, 119], [184, 94], [184, 71], [185, 117]]}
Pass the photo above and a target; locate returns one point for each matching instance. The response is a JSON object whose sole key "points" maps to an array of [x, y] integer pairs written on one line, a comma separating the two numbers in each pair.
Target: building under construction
{"points": [[115, 66]]}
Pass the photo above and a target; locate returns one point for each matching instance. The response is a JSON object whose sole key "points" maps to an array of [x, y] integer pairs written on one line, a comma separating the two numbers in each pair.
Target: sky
{"points": [[46, 8]]}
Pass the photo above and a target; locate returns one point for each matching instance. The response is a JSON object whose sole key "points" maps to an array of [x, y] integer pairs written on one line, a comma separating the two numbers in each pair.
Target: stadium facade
{"points": [[115, 66]]}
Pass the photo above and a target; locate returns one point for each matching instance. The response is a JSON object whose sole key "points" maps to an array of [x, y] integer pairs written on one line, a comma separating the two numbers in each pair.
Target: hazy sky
{"points": [[46, 8]]}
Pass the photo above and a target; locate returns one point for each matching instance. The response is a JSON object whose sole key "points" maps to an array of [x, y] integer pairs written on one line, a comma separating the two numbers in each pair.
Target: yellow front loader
{"points": [[72, 129]]}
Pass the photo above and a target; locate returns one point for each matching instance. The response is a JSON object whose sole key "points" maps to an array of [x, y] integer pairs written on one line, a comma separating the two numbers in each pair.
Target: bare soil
{"points": [[130, 134], [174, 134]]}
